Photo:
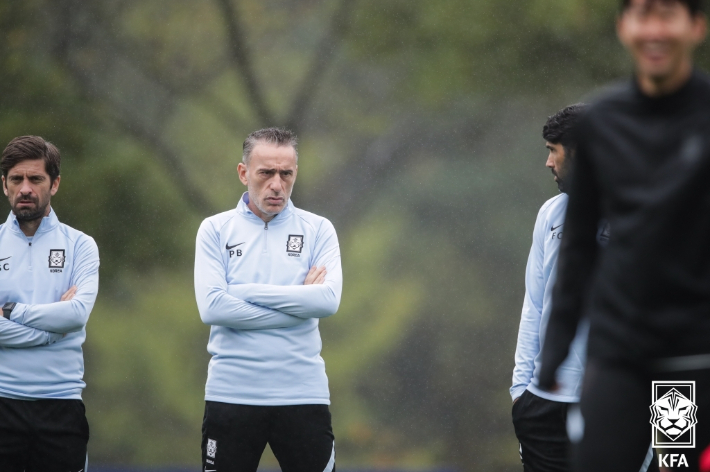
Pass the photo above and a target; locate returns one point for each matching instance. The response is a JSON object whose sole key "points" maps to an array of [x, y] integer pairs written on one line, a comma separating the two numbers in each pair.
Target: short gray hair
{"points": [[278, 136]]}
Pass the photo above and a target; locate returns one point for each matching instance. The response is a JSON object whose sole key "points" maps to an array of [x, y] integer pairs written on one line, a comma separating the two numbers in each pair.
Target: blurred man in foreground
{"points": [[643, 164], [265, 273], [49, 279]]}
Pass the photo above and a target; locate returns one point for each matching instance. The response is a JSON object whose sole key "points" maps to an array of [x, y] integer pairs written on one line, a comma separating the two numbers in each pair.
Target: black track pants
{"points": [[43, 435], [540, 426], [235, 436]]}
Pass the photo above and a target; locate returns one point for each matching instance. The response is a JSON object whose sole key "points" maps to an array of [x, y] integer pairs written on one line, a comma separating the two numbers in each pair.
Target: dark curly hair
{"points": [[559, 127], [695, 6]]}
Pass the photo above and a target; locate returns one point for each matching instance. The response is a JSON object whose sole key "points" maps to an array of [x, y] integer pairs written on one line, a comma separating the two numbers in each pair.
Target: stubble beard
{"points": [[265, 212], [28, 214], [562, 175], [561, 185], [558, 180]]}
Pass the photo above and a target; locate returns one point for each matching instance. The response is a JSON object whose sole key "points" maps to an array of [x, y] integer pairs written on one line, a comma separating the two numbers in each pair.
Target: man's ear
{"points": [[242, 171], [700, 28], [55, 185], [4, 186], [620, 28]]}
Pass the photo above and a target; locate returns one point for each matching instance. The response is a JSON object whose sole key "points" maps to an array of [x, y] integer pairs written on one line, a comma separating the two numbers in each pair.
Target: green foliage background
{"points": [[420, 139]]}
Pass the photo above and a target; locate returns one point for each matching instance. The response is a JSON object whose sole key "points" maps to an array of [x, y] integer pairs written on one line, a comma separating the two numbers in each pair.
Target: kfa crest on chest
{"points": [[57, 258], [294, 245]]}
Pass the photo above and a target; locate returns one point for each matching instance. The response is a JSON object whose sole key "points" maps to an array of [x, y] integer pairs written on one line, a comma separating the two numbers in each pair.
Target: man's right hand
{"points": [[69, 294], [315, 276]]}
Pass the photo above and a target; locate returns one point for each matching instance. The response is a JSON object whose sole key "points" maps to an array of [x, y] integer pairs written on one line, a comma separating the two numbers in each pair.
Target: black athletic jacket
{"points": [[643, 164]]}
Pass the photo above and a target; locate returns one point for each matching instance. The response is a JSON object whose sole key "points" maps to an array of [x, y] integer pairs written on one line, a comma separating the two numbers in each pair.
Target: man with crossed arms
{"points": [[265, 273], [49, 279]]}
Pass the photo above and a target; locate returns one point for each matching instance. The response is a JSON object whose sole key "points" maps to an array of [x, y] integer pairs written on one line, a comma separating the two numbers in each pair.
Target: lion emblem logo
{"points": [[673, 414], [294, 243], [56, 258]]}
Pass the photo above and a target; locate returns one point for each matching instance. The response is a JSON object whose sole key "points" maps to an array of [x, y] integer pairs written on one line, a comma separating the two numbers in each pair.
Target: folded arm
{"points": [[303, 301], [216, 301], [318, 300], [528, 346], [71, 315], [16, 335]]}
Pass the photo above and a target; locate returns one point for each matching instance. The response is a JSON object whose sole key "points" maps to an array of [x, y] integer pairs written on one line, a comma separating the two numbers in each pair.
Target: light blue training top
{"points": [[264, 336], [540, 276], [37, 360]]}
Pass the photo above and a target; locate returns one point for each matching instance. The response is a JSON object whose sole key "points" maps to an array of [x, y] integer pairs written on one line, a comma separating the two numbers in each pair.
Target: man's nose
{"points": [[276, 184], [654, 29], [26, 188]]}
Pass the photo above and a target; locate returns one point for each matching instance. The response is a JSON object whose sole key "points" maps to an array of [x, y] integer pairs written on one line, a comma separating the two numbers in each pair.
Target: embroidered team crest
{"points": [[56, 258], [211, 448], [294, 243]]}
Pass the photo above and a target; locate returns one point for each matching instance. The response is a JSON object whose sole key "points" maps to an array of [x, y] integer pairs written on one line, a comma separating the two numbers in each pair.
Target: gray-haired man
{"points": [[265, 273]]}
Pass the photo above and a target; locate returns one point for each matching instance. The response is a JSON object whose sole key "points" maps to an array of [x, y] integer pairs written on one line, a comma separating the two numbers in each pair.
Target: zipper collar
{"points": [[243, 209], [48, 223]]}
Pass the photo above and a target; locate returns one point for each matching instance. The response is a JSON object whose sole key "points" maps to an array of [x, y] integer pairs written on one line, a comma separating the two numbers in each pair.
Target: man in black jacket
{"points": [[643, 164]]}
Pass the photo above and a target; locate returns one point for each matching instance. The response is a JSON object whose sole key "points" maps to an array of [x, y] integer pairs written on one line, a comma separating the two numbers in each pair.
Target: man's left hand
{"points": [[315, 276], [69, 294]]}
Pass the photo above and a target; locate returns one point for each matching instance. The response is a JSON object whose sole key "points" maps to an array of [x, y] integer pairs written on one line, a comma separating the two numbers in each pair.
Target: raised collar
{"points": [[681, 98], [48, 223], [243, 209]]}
